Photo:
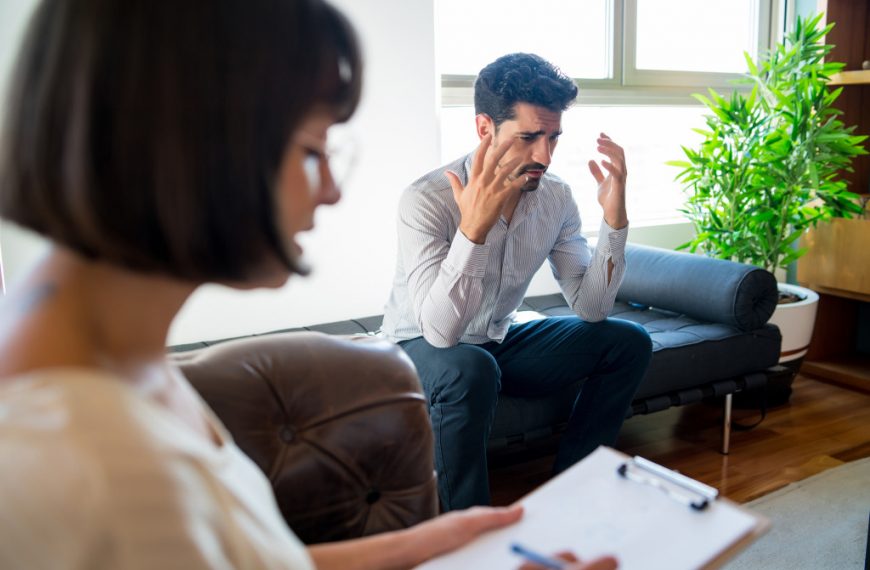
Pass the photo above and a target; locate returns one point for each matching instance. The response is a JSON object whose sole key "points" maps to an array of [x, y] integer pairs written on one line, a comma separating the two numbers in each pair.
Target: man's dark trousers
{"points": [[462, 384]]}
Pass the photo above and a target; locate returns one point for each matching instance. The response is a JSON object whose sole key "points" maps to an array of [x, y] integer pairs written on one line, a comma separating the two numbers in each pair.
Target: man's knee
{"points": [[637, 339], [464, 373], [629, 342]]}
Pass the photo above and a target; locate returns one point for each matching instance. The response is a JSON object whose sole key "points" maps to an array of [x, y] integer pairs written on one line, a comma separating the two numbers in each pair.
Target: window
{"points": [[637, 63], [719, 36], [691, 42], [579, 39]]}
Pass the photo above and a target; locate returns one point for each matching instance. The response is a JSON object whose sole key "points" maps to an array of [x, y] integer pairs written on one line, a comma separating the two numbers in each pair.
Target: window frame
{"points": [[628, 85], [657, 77]]}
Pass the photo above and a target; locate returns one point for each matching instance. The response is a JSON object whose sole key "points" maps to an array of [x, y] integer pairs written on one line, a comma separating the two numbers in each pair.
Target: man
{"points": [[471, 236]]}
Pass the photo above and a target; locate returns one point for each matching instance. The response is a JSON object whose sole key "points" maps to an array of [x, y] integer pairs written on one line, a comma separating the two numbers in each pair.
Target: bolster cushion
{"points": [[707, 289]]}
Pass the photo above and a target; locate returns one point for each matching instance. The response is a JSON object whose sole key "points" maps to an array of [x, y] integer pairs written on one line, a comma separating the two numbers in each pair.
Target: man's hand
{"points": [[490, 184], [611, 189]]}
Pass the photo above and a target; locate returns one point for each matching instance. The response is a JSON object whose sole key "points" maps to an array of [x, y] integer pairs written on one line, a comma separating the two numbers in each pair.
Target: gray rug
{"points": [[819, 523]]}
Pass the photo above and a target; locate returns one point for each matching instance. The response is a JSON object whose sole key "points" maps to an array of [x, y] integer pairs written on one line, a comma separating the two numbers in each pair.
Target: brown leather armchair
{"points": [[338, 425]]}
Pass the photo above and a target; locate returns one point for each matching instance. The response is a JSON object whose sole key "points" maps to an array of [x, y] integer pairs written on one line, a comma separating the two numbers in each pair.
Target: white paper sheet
{"points": [[591, 511]]}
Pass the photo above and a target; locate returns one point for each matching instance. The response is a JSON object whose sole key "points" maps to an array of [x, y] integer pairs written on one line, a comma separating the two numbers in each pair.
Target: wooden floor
{"points": [[821, 427]]}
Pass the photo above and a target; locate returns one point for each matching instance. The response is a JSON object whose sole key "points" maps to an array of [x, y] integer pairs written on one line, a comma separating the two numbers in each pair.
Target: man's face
{"points": [[535, 131]]}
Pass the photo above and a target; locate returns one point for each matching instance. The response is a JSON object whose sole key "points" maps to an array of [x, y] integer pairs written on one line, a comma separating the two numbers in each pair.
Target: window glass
{"points": [[571, 34], [649, 135], [696, 35], [675, 43]]}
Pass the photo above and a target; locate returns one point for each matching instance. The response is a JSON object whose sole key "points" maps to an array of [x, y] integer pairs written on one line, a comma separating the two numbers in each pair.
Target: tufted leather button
{"points": [[287, 434], [373, 496]]}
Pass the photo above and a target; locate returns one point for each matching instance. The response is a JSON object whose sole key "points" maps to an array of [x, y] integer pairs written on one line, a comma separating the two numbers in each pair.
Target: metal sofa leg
{"points": [[726, 426]]}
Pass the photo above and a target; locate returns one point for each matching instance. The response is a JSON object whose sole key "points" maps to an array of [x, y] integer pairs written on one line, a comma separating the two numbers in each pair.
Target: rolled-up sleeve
{"points": [[584, 274]]}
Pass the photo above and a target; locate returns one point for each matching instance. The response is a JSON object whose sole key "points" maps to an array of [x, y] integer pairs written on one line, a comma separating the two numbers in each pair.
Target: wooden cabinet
{"points": [[837, 265], [839, 351]]}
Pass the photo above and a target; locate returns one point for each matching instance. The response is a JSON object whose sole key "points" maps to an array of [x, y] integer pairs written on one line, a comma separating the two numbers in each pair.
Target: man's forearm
{"points": [[447, 310], [617, 217], [445, 305], [592, 294]]}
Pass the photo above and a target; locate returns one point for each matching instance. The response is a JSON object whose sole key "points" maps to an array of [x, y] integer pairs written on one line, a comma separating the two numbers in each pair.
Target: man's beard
{"points": [[532, 183]]}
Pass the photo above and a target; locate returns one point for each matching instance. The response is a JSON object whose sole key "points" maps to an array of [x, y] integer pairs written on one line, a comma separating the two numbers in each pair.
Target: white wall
{"points": [[353, 246], [17, 249]]}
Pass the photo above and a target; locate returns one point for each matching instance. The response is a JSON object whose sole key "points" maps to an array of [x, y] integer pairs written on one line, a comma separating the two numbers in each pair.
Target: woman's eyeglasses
{"points": [[337, 154]]}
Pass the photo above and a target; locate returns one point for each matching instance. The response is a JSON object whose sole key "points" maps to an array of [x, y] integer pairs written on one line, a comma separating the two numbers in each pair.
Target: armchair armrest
{"points": [[338, 425], [704, 288]]}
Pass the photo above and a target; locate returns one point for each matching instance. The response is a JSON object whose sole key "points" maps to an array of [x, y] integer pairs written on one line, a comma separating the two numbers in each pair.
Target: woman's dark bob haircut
{"points": [[148, 133]]}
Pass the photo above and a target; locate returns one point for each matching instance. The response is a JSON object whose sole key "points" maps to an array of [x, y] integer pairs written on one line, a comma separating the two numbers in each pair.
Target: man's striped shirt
{"points": [[451, 290]]}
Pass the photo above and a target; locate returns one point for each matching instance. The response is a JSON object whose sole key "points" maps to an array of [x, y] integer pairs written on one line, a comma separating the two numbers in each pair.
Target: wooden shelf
{"points": [[837, 264], [859, 77], [834, 354], [851, 371]]}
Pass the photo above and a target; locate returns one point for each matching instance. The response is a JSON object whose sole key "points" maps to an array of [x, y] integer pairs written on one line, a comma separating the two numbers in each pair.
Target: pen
{"points": [[537, 558]]}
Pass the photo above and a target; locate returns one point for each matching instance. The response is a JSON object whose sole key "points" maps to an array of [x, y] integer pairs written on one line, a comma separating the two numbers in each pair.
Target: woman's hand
{"points": [[411, 547], [457, 528]]}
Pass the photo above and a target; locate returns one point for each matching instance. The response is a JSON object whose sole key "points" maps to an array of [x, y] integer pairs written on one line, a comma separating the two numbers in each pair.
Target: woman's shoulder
{"points": [[58, 404], [92, 418], [65, 429], [76, 459], [52, 485], [91, 469], [52, 403]]}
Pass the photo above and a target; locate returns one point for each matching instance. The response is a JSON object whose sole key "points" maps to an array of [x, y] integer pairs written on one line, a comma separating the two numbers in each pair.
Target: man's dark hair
{"points": [[521, 78], [149, 134]]}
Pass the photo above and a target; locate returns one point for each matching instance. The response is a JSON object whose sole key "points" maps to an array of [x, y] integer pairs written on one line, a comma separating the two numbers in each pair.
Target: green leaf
{"points": [[703, 99], [770, 161], [753, 69]]}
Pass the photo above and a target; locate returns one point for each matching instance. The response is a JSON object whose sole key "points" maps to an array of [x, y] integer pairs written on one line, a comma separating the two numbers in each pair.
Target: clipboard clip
{"points": [[691, 493]]}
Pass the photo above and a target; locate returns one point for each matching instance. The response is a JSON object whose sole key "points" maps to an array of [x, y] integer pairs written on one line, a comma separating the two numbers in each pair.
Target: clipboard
{"points": [[646, 515]]}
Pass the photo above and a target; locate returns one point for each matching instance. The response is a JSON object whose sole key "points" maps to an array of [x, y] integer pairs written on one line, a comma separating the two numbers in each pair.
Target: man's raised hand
{"points": [[490, 183], [611, 189]]}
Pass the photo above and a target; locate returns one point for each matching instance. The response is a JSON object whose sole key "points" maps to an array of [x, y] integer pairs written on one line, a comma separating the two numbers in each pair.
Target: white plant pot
{"points": [[795, 322]]}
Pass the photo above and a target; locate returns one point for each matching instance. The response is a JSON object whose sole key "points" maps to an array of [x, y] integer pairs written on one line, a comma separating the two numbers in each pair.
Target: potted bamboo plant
{"points": [[768, 169]]}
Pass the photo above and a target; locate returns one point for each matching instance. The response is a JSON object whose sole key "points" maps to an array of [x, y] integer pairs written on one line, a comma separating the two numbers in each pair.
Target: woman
{"points": [[160, 146]]}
